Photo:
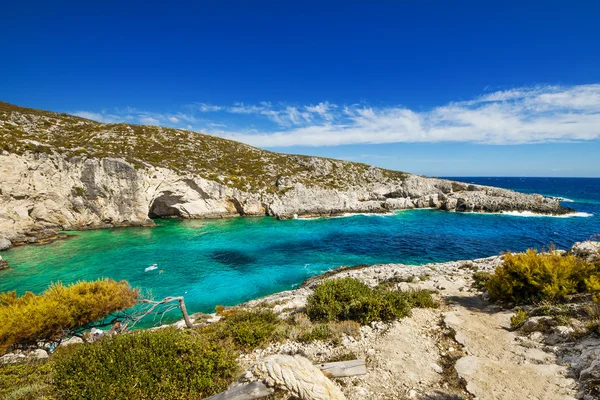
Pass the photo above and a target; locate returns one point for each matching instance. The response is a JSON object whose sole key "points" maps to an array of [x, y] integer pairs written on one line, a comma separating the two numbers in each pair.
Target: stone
{"points": [[587, 250], [3, 264], [38, 354], [5, 244], [12, 358], [560, 334], [591, 372], [72, 340], [538, 324]]}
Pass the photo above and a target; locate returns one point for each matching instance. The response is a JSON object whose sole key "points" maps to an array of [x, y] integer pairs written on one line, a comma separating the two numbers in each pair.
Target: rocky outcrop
{"points": [[42, 193]]}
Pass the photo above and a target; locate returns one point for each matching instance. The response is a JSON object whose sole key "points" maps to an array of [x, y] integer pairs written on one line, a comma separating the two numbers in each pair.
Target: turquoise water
{"points": [[229, 261]]}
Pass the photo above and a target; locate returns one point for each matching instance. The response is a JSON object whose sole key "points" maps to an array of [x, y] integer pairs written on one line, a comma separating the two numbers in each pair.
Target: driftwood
{"points": [[257, 390], [166, 300]]}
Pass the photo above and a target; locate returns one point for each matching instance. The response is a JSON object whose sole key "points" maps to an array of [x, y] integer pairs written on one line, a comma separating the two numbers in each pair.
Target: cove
{"points": [[229, 261]]}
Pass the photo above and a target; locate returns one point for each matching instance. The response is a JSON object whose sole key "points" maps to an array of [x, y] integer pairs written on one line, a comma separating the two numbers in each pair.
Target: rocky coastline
{"points": [[62, 172], [42, 194]]}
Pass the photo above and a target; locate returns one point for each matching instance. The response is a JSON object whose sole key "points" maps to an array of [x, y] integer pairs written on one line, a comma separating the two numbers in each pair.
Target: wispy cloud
{"points": [[517, 116], [100, 117], [521, 115]]}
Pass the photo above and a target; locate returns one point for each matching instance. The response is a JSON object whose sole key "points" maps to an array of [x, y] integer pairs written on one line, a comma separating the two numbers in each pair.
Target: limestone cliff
{"points": [[58, 172]]}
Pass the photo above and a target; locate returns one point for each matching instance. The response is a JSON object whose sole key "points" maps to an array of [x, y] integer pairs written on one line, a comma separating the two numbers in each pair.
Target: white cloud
{"points": [[100, 117], [148, 120], [203, 107], [323, 109], [517, 116], [522, 115]]}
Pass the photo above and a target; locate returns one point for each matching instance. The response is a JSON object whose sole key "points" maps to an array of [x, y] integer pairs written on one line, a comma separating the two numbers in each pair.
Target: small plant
{"points": [[318, 332], [79, 191], [480, 279], [29, 380], [517, 320]]}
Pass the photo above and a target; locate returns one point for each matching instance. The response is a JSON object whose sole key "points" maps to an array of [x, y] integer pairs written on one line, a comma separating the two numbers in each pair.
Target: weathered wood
{"points": [[251, 391], [257, 390], [342, 369]]}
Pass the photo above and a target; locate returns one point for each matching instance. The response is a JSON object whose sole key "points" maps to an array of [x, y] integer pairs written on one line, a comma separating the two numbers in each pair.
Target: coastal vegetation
{"points": [[349, 299], [61, 311], [169, 363], [531, 277], [189, 363]]}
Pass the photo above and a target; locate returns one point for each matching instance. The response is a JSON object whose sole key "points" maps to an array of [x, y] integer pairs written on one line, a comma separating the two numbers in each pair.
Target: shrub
{"points": [[593, 286], [518, 319], [349, 299], [165, 363], [244, 328], [59, 311], [530, 277], [318, 332], [422, 298], [30, 380], [480, 279]]}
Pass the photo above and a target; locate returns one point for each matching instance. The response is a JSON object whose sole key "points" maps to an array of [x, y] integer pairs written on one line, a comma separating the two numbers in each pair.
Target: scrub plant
{"points": [[349, 299], [532, 277], [61, 311]]}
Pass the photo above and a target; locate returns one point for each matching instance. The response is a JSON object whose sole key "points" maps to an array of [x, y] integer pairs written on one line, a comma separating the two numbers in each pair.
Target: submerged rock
{"points": [[3, 264]]}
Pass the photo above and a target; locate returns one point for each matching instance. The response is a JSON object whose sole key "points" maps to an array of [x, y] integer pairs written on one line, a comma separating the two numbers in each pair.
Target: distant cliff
{"points": [[58, 171]]}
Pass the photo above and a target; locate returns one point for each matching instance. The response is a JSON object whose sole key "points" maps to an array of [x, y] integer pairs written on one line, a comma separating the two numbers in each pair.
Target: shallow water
{"points": [[229, 261]]}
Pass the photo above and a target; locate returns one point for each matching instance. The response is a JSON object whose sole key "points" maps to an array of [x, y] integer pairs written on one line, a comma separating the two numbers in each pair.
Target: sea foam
{"points": [[532, 214]]}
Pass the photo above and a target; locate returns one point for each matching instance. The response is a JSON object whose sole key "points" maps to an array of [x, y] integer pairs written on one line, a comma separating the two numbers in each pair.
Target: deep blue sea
{"points": [[229, 261]]}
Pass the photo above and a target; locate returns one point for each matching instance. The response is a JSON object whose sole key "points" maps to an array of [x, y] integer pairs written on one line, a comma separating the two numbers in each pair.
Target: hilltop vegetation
{"points": [[221, 160]]}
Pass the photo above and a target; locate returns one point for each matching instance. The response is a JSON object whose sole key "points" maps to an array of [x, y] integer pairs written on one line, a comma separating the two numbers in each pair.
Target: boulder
{"points": [[5, 244], [587, 250], [38, 354], [12, 358], [538, 324], [3, 264]]}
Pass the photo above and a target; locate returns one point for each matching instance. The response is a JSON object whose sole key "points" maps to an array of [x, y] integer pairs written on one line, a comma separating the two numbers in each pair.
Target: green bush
{"points": [[59, 311], [480, 279], [29, 380], [245, 329], [531, 277], [161, 364], [318, 332], [349, 299]]}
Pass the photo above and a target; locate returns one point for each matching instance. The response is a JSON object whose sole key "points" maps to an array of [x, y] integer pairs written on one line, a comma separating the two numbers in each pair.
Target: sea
{"points": [[229, 261]]}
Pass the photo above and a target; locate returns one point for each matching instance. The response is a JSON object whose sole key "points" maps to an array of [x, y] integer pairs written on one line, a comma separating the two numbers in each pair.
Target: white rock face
{"points": [[42, 193], [588, 250]]}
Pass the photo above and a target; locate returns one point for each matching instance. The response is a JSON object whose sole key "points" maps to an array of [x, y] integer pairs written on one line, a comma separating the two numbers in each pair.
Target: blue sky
{"points": [[438, 88]]}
